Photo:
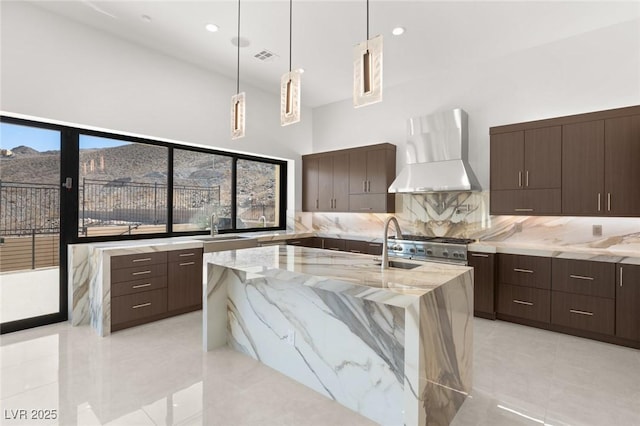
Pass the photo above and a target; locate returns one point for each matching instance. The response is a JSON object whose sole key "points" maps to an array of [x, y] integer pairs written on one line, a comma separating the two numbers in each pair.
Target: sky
{"points": [[13, 135]]}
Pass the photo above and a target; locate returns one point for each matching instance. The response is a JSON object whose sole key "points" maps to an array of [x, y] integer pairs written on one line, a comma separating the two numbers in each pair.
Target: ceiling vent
{"points": [[265, 55]]}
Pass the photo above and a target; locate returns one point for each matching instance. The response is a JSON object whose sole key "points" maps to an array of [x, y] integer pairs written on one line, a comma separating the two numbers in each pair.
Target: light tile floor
{"points": [[157, 375]]}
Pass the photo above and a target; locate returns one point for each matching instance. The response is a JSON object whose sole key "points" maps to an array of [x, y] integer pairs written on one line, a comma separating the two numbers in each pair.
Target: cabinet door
{"points": [[583, 277], [583, 168], [483, 265], [184, 287], [325, 184], [310, 176], [341, 182], [526, 202], [377, 172], [527, 271], [507, 160], [622, 160], [628, 302], [542, 158], [357, 172]]}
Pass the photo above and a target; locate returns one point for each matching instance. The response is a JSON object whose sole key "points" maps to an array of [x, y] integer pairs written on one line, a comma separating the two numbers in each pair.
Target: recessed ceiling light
{"points": [[212, 28], [397, 31], [301, 70], [146, 18]]}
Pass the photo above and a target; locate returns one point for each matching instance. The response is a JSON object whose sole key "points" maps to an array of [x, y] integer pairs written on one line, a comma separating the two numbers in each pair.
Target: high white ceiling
{"points": [[439, 34]]}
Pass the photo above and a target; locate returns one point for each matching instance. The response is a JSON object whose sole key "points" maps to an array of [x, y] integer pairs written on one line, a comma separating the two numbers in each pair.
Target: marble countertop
{"points": [[358, 275]]}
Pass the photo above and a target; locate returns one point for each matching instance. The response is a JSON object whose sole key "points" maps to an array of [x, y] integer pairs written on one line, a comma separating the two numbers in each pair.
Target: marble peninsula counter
{"points": [[394, 345]]}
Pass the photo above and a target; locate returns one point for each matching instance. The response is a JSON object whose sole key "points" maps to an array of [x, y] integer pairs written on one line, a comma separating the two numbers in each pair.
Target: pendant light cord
{"points": [[290, 30], [238, 64], [367, 19]]}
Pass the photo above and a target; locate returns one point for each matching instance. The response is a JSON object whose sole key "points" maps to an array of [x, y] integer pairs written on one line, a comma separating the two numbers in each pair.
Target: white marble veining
{"points": [[393, 345]]}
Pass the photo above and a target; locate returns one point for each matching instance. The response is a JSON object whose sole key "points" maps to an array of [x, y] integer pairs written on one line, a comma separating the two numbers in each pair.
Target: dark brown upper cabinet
{"points": [[579, 165], [600, 172], [325, 183], [526, 171], [349, 180]]}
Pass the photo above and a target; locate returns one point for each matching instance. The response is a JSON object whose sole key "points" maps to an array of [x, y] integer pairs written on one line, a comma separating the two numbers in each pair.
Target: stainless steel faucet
{"points": [[385, 242], [214, 224], [263, 219]]}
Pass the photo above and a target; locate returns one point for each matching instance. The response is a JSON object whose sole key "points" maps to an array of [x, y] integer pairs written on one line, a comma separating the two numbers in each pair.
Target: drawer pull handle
{"points": [[293, 242], [374, 245], [142, 305], [365, 208], [575, 311], [526, 271], [355, 251], [186, 254], [479, 255], [522, 302], [522, 210], [141, 273], [581, 277], [141, 285], [187, 263], [146, 259], [621, 276]]}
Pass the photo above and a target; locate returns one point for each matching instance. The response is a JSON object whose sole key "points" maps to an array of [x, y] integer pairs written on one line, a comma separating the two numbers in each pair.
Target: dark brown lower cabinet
{"points": [[334, 244], [313, 242], [588, 313], [184, 280], [483, 265], [524, 302], [136, 307], [365, 247], [628, 302]]}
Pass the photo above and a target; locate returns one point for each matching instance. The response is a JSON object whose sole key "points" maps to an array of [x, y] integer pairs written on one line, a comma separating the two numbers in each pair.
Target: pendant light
{"points": [[290, 86], [238, 100], [367, 70]]}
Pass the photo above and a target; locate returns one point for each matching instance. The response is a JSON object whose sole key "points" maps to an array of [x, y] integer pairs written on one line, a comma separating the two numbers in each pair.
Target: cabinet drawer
{"points": [[138, 286], [529, 271], [140, 259], [138, 272], [371, 203], [524, 302], [184, 255], [138, 306], [584, 277], [583, 312], [334, 244]]}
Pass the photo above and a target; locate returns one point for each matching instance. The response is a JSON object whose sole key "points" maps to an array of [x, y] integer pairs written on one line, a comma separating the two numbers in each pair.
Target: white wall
{"points": [[594, 71], [59, 69]]}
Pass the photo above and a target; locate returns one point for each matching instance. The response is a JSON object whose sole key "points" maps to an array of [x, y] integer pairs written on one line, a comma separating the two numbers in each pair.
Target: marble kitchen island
{"points": [[394, 345]]}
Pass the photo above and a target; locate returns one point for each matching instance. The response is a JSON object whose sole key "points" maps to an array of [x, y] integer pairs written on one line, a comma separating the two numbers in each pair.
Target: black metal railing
{"points": [[29, 208]]}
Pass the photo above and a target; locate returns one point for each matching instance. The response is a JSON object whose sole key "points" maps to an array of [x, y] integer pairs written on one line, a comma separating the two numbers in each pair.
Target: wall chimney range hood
{"points": [[437, 155]]}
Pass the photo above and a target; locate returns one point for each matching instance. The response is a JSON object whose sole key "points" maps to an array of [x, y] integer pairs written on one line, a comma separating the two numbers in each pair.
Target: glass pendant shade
{"points": [[290, 97], [367, 72], [237, 115]]}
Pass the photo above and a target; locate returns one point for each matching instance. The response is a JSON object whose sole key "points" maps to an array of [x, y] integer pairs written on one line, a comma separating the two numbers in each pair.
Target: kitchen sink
{"points": [[227, 242]]}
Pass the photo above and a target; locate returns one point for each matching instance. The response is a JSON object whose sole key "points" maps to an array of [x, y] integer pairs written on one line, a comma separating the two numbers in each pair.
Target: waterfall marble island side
{"points": [[394, 345]]}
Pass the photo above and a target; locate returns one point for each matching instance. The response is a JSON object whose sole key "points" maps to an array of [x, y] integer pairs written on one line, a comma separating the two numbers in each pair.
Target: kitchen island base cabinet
{"points": [[138, 308], [184, 273]]}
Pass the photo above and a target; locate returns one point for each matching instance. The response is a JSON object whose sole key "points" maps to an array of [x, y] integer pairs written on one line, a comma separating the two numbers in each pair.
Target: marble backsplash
{"points": [[466, 215]]}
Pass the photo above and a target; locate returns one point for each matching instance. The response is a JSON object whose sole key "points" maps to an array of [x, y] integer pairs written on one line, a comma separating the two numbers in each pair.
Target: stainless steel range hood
{"points": [[437, 155]]}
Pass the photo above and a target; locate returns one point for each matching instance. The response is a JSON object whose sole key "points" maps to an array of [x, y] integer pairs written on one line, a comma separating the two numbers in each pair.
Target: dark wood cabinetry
{"points": [[184, 282], [526, 171], [628, 302], [371, 171], [355, 246], [583, 295], [580, 165], [524, 287], [347, 180], [483, 265], [150, 286], [313, 242]]}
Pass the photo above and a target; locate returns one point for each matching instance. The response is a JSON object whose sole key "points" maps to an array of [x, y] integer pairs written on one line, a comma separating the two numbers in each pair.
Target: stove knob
{"points": [[412, 250], [397, 248], [445, 253], [429, 252], [461, 256], [455, 254]]}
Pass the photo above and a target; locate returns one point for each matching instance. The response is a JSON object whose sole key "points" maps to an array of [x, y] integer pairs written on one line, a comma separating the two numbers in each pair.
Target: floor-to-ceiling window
{"points": [[62, 185], [30, 291]]}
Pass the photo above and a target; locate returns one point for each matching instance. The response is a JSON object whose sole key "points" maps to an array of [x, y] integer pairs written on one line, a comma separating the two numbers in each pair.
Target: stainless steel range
{"points": [[432, 249]]}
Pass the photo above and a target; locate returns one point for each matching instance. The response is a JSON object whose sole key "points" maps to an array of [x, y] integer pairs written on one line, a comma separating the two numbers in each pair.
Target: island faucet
{"points": [[263, 219], [214, 224], [385, 242]]}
